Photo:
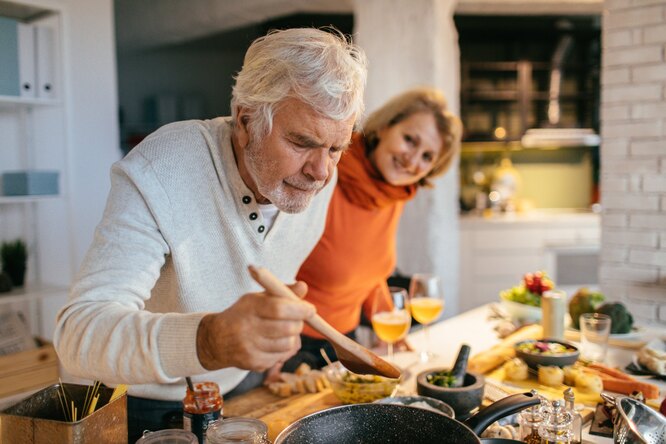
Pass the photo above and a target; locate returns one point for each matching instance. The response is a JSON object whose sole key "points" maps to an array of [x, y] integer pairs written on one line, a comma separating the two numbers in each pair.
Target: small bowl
{"points": [[351, 388], [534, 360], [523, 312], [418, 402], [463, 399]]}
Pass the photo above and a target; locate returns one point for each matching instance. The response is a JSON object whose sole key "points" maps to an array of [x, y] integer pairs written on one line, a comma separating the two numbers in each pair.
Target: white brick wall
{"points": [[633, 157]]}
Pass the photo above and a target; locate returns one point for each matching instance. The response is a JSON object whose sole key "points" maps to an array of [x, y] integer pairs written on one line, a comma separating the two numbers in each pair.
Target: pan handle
{"points": [[504, 407]]}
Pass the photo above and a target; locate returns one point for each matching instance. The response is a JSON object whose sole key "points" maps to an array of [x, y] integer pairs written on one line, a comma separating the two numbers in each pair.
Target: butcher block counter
{"points": [[472, 328]]}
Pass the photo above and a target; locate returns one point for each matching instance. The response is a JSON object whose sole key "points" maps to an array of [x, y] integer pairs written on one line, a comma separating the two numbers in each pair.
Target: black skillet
{"points": [[390, 423]]}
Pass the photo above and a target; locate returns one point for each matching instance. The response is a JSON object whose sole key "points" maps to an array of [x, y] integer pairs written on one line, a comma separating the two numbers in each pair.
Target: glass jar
{"points": [[238, 430], [529, 421], [201, 407], [556, 427], [168, 436]]}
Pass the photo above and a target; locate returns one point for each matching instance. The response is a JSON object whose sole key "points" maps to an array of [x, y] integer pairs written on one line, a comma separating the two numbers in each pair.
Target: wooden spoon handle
{"points": [[271, 283]]}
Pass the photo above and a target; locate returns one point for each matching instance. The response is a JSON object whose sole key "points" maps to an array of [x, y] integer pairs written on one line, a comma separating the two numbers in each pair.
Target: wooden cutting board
{"points": [[278, 412]]}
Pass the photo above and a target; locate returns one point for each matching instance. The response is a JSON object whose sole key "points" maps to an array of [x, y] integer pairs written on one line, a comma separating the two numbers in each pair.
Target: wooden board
{"points": [[28, 370], [278, 412]]}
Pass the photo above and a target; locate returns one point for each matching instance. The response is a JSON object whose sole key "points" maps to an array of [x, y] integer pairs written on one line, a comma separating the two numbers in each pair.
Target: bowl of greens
{"points": [[523, 301], [435, 383]]}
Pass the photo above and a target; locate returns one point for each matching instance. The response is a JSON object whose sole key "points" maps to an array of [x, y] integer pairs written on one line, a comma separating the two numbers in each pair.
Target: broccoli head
{"points": [[621, 319], [584, 301]]}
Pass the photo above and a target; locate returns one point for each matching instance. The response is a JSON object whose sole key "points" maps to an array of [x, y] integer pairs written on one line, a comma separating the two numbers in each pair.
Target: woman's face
{"points": [[407, 151]]}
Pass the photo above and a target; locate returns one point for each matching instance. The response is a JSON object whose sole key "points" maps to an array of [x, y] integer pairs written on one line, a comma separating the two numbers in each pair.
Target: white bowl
{"points": [[521, 312]]}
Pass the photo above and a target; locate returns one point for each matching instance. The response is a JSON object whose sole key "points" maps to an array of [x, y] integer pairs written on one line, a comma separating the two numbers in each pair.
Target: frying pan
{"points": [[391, 423]]}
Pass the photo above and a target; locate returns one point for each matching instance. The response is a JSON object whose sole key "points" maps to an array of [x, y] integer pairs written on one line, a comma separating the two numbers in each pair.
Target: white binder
{"points": [[45, 48], [26, 59]]}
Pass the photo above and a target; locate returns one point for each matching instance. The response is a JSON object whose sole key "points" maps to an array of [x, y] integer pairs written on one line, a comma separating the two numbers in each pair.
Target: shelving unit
{"points": [[34, 138], [506, 65], [500, 101]]}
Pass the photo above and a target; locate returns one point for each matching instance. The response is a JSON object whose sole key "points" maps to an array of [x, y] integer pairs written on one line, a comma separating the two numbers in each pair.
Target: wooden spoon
{"points": [[352, 355]]}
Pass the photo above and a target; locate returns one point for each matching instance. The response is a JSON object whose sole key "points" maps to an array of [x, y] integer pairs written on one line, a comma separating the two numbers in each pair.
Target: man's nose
{"points": [[317, 166]]}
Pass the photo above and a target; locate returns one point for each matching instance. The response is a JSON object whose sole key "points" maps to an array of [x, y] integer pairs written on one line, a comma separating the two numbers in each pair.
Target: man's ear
{"points": [[241, 126]]}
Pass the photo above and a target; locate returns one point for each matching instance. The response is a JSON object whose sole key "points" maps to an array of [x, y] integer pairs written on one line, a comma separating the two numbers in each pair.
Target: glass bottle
{"points": [[556, 426], [238, 430], [529, 421], [201, 406], [577, 424], [553, 307]]}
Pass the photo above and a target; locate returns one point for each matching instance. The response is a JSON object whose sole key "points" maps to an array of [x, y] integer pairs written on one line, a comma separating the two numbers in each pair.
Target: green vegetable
{"points": [[584, 301], [442, 379], [621, 319]]}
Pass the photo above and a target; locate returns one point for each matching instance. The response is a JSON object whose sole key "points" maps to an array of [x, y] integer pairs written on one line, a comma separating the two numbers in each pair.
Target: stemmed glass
{"points": [[392, 325], [426, 301]]}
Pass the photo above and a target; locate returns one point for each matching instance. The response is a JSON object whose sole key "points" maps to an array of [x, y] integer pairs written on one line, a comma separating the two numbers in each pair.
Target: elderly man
{"points": [[164, 290]]}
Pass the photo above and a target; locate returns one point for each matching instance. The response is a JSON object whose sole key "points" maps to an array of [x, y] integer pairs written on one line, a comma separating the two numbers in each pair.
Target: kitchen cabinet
{"points": [[34, 139], [495, 253], [506, 74]]}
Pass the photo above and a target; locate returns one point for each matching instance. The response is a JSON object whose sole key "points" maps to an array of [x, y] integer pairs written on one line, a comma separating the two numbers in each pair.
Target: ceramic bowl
{"points": [[522, 312], [420, 402], [463, 399], [535, 359], [351, 388]]}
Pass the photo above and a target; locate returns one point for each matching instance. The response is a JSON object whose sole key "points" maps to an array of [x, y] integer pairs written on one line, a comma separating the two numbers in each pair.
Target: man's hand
{"points": [[255, 333]]}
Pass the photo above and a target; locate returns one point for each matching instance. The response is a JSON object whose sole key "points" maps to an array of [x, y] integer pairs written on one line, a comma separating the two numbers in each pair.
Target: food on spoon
{"points": [[516, 370], [589, 383], [353, 388], [551, 375], [584, 301], [530, 289], [621, 319]]}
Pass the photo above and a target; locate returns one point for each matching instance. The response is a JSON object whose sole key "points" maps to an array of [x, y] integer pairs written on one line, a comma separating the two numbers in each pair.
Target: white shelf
{"points": [[32, 292], [27, 199], [16, 100]]}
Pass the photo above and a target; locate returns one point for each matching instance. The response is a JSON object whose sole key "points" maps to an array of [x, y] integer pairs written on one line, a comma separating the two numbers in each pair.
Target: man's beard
{"points": [[279, 191]]}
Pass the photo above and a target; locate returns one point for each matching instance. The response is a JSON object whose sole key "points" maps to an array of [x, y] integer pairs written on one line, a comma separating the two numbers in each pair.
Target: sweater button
{"points": [[253, 216], [247, 199], [261, 228]]}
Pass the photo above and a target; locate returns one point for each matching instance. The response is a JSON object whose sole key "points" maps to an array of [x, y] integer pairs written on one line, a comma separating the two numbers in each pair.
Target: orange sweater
{"points": [[349, 266]]}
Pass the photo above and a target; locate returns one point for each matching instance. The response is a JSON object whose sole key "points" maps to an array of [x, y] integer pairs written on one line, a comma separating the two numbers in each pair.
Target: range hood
{"points": [[553, 136]]}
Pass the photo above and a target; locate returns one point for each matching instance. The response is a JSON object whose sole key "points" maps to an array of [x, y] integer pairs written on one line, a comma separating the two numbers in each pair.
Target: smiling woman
{"points": [[409, 140]]}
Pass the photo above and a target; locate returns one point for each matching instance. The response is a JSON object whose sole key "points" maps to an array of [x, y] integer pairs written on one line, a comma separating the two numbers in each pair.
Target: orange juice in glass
{"points": [[426, 301], [392, 326]]}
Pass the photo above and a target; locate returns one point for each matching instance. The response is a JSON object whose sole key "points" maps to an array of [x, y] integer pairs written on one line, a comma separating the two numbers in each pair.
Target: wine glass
{"points": [[392, 324], [426, 301]]}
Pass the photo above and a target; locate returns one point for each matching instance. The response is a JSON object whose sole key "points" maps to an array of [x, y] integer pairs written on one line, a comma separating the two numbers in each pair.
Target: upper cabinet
{"points": [[528, 72]]}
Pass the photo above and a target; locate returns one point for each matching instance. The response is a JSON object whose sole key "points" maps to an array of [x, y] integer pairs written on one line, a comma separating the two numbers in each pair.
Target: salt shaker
{"points": [[577, 424], [553, 304]]}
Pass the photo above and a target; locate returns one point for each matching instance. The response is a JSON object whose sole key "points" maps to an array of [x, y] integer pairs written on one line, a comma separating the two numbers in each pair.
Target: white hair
{"points": [[320, 68]]}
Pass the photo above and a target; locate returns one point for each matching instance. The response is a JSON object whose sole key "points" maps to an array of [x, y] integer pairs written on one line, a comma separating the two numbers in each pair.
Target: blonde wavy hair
{"points": [[410, 102], [320, 67]]}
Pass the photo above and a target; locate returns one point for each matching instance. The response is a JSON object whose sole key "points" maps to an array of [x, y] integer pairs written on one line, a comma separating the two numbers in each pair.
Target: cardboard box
{"points": [[30, 183], [28, 370], [40, 419]]}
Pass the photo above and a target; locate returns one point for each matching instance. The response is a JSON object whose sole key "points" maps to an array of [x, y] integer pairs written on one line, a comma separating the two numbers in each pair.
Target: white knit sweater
{"points": [[174, 243]]}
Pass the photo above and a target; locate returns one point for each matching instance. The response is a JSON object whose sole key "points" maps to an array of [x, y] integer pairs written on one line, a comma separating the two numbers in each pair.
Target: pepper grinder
{"points": [[556, 427]]}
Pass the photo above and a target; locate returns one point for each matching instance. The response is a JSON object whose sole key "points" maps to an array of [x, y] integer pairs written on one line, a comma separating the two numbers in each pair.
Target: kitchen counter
{"points": [[470, 328], [557, 216]]}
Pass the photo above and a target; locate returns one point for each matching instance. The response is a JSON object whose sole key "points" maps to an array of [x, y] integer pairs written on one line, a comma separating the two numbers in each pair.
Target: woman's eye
{"points": [[409, 139], [428, 157]]}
